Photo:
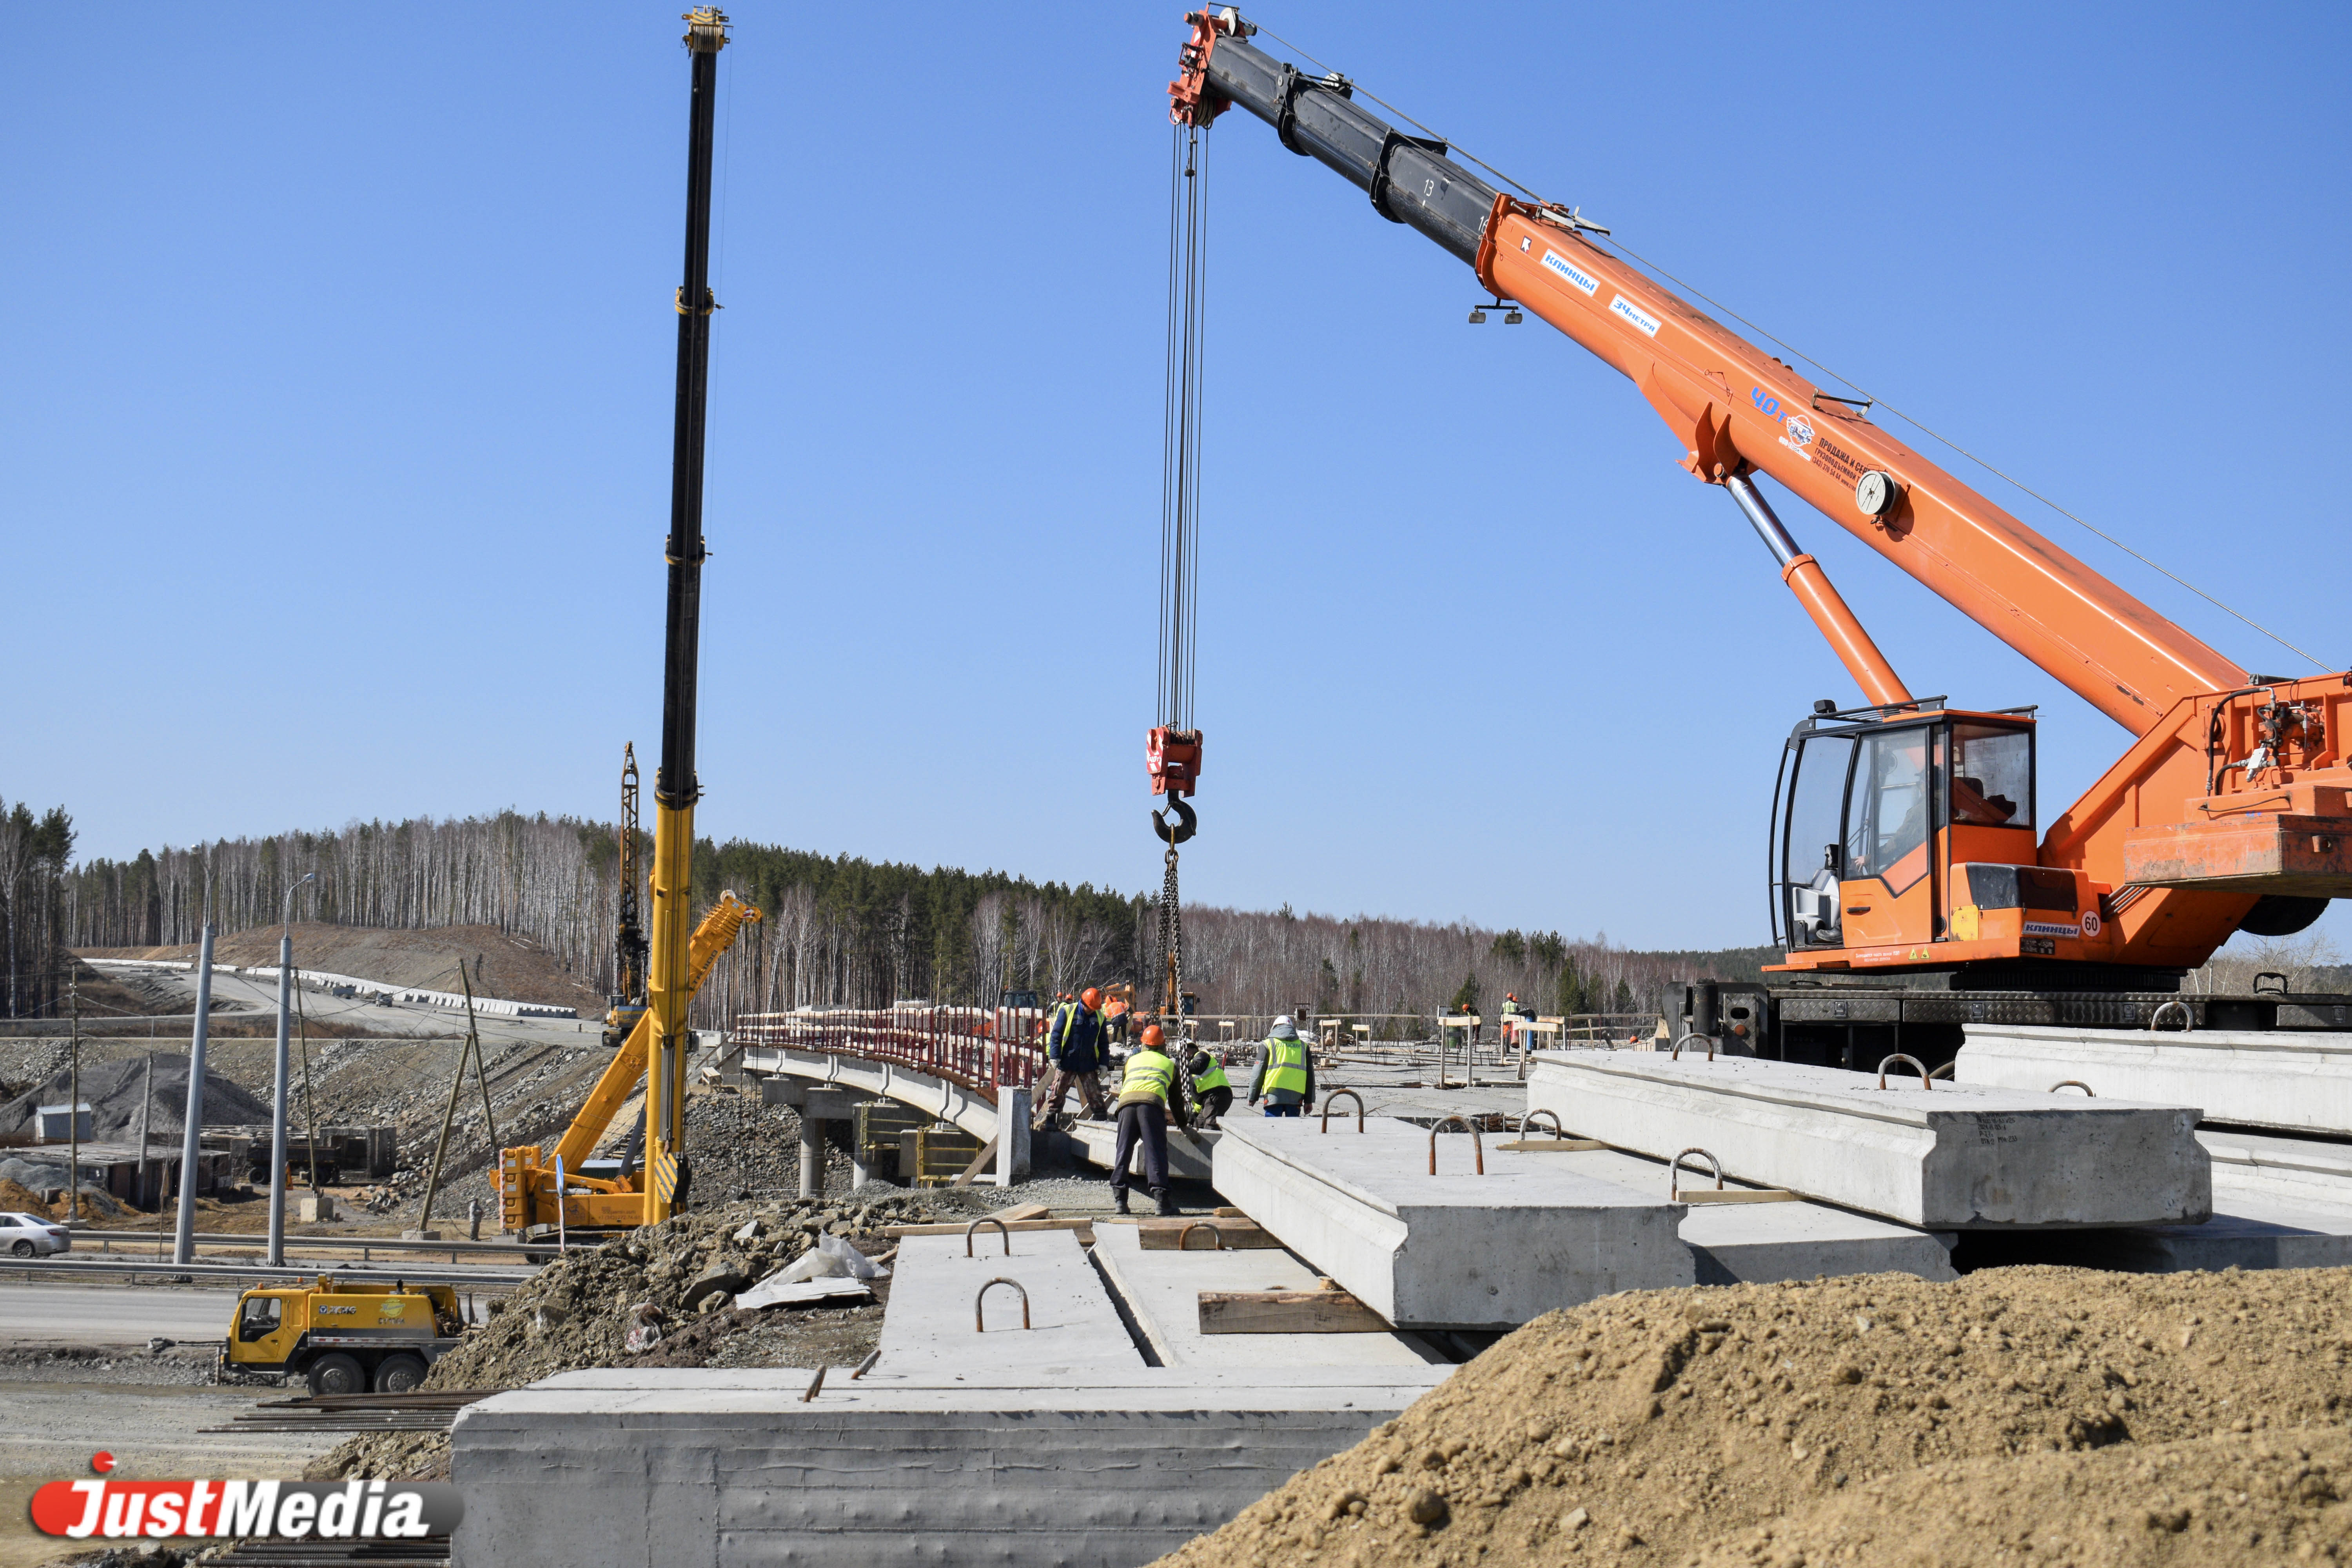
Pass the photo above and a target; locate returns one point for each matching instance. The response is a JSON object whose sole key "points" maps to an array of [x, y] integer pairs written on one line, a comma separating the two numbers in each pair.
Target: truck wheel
{"points": [[399, 1373], [336, 1373]]}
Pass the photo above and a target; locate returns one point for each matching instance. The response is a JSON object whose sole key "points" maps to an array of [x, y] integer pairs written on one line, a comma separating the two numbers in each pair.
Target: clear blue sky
{"points": [[338, 420]]}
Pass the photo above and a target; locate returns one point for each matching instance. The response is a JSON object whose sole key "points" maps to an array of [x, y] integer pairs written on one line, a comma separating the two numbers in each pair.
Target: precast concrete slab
{"points": [[1188, 1152], [732, 1468], [929, 1328], [1954, 1157], [1756, 1244], [2293, 1080], [1162, 1292], [2302, 1173], [1454, 1250]]}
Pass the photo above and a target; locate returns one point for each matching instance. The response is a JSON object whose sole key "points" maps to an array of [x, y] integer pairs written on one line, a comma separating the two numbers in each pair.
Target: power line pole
{"points": [[73, 1101], [277, 1161], [183, 1245]]}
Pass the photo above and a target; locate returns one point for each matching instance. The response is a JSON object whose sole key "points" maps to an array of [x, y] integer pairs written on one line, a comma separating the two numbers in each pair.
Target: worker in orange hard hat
{"points": [[1512, 1014], [1149, 1097], [1075, 1053]]}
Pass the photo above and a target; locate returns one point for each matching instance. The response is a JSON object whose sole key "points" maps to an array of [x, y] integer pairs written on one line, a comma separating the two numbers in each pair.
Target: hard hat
{"points": [[1152, 1038], [1090, 996], [1284, 1026]]}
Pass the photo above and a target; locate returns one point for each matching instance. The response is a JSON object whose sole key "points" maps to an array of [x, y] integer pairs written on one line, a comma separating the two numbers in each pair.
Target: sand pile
{"points": [[2102, 1418]]}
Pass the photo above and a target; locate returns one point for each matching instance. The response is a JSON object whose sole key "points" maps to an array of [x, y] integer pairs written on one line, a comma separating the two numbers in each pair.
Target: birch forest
{"points": [[838, 931]]}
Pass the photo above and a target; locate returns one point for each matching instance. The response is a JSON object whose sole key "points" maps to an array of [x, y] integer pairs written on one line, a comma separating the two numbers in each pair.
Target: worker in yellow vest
{"points": [[1213, 1091], [1148, 1097], [1286, 1072]]}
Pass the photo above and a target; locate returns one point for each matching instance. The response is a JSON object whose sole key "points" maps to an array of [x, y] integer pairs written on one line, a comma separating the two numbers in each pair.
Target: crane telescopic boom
{"points": [[2233, 808]]}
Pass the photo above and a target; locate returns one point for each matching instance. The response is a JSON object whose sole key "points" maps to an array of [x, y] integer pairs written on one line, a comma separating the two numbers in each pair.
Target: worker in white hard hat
{"points": [[1286, 1071]]}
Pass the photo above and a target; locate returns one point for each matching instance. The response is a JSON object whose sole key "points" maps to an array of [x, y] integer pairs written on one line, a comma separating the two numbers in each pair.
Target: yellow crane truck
{"points": [[342, 1337]]}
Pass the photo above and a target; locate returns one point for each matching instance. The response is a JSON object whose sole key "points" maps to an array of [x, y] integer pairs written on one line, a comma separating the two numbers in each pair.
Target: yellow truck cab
{"points": [[342, 1337]]}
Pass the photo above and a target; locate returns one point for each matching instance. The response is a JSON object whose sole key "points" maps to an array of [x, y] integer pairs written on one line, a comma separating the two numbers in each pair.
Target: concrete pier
{"points": [[1452, 1250], [2293, 1080], [1955, 1157], [731, 1467], [1162, 1291]]}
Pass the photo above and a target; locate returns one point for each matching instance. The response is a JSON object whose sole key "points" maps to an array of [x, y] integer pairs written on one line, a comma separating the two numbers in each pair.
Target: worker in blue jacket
{"points": [[1075, 1053]]}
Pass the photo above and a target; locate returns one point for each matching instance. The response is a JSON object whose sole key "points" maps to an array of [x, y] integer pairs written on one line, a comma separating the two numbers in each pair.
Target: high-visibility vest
{"points": [[1148, 1072], [1203, 1082], [1285, 1066]]}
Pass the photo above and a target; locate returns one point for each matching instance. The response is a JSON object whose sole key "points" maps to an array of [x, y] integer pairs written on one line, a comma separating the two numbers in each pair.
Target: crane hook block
{"points": [[1172, 758], [1183, 828]]}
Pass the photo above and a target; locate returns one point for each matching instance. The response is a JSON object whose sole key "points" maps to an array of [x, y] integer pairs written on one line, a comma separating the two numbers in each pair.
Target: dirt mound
{"points": [[115, 1089], [1671, 1427], [17, 1198], [2231, 1500], [512, 967]]}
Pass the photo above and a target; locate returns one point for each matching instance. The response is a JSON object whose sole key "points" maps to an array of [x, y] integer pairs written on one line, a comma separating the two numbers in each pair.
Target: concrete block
{"points": [[1162, 1292], [1453, 1250], [2293, 1080], [1190, 1155], [1955, 1157], [928, 1326], [315, 1208], [2301, 1172], [731, 1468], [1755, 1244]]}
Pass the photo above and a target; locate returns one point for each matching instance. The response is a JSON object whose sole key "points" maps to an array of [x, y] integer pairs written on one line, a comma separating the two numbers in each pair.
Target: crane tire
{"points": [[399, 1373], [336, 1373]]}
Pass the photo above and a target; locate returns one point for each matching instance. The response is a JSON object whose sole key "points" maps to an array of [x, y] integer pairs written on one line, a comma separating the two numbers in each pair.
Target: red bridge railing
{"points": [[979, 1048]]}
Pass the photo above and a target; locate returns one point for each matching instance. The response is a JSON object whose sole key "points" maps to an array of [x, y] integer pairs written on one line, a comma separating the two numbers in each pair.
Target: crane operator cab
{"points": [[1906, 835]]}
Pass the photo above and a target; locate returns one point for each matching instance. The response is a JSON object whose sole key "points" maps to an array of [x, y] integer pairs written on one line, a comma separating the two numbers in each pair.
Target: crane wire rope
{"points": [[1179, 504], [1456, 150]]}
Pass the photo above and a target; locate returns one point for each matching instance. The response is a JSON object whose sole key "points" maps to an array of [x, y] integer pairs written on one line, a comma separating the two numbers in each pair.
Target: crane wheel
{"points": [[399, 1374], [336, 1373]]}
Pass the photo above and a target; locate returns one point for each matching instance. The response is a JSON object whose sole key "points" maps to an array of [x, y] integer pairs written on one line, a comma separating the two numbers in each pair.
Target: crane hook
{"points": [[1185, 824]]}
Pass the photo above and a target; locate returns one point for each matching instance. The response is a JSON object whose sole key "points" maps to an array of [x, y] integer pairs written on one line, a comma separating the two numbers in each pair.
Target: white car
{"points": [[30, 1236]]}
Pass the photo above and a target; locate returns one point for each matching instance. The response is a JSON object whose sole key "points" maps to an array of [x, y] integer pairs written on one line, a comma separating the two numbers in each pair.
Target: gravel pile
{"points": [[114, 1092], [2016, 1415]]}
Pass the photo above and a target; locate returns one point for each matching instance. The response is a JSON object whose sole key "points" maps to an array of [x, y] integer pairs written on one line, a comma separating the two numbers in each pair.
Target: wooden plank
{"points": [[1288, 1312], [1549, 1145], [957, 1228], [979, 1163], [1161, 1235], [1024, 1211]]}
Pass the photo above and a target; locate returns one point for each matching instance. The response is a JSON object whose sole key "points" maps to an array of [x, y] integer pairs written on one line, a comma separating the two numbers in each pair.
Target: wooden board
{"points": [[979, 1163], [1024, 1211], [957, 1228], [1161, 1235], [1288, 1312], [1735, 1195]]}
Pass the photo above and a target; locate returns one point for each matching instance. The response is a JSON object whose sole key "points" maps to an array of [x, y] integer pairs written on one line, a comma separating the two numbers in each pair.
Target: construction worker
{"points": [[1148, 1097], [1211, 1091], [1286, 1071], [1074, 1054], [1511, 1013]]}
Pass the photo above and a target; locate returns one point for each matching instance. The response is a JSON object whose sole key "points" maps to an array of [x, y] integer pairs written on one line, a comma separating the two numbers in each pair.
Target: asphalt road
{"points": [[250, 994], [107, 1315]]}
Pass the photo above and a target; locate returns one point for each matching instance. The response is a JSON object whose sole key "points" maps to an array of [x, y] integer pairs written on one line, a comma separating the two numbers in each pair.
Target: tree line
{"points": [[838, 931]]}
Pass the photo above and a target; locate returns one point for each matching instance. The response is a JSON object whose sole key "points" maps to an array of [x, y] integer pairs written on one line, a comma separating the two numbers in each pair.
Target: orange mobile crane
{"points": [[1908, 884]]}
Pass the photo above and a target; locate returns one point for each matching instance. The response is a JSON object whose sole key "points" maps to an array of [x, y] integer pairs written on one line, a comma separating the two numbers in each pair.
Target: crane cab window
{"points": [[1886, 821], [260, 1317], [1992, 776]]}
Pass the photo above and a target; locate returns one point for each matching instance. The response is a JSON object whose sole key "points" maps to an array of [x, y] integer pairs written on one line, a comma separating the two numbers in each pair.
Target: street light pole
{"points": [[278, 1109]]}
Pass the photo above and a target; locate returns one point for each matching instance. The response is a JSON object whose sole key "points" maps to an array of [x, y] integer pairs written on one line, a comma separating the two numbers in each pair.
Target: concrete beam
{"points": [[928, 1327], [1454, 1250], [1162, 1292], [1955, 1157], [1189, 1153], [862, 1080], [1756, 1244], [731, 1468], [2293, 1080]]}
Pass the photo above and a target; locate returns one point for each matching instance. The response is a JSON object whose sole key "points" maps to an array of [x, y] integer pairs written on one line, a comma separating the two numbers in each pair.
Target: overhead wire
{"points": [[1455, 149]]}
